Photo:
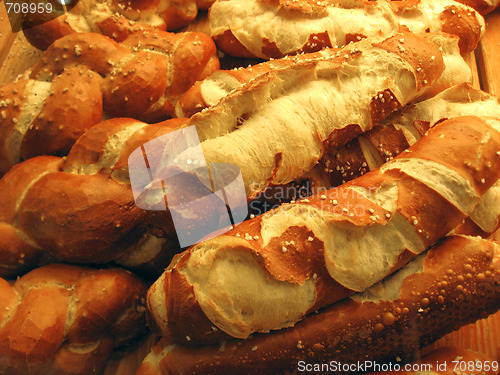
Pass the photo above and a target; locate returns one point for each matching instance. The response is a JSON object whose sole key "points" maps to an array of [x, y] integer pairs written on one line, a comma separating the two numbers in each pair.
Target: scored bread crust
{"points": [[116, 19], [82, 78], [270, 271], [453, 284], [315, 104], [482, 6], [63, 319], [211, 90], [275, 28]]}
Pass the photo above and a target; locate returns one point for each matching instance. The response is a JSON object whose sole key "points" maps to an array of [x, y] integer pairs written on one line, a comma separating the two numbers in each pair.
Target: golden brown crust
{"points": [[17, 253], [312, 26], [98, 223], [116, 19], [84, 77], [293, 245], [458, 284], [66, 319]]}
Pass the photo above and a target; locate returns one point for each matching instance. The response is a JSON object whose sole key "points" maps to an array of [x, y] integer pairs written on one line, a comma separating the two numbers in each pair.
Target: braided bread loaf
{"points": [[62, 319], [84, 77], [453, 284], [115, 19], [271, 271], [272, 29], [79, 209], [392, 136]]}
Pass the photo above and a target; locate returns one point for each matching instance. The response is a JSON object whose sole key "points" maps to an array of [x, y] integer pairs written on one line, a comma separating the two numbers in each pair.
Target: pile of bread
{"points": [[368, 104]]}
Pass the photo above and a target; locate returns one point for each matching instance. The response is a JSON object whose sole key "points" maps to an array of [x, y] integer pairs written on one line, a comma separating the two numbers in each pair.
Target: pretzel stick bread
{"points": [[272, 270], [350, 93], [453, 284], [275, 28], [220, 83]]}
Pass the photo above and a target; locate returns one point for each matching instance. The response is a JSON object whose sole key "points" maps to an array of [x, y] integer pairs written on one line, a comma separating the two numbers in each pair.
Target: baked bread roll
{"points": [[453, 284], [62, 319], [211, 90], [315, 104], [18, 254], [271, 271], [273, 29], [385, 141], [402, 129], [82, 78], [115, 19], [79, 209]]}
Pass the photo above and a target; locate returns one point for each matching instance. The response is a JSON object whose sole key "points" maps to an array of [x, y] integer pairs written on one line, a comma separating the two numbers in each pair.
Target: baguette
{"points": [[62, 319], [271, 271], [211, 90], [273, 29], [115, 19], [453, 284], [42, 112]]}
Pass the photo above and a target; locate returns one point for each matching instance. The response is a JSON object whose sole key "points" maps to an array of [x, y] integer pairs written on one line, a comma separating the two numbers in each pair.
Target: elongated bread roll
{"points": [[453, 284], [294, 114], [271, 271], [392, 136], [82, 78], [402, 129], [220, 83], [275, 28]]}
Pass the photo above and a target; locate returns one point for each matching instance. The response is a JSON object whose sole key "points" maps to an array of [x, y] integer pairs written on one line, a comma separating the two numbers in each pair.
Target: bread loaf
{"points": [[452, 285], [62, 319], [271, 271], [211, 90], [315, 104], [115, 19], [84, 77], [80, 209], [273, 29], [18, 253], [392, 136]]}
